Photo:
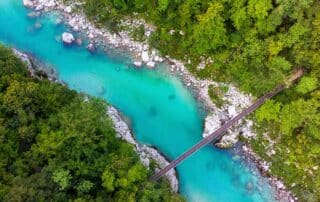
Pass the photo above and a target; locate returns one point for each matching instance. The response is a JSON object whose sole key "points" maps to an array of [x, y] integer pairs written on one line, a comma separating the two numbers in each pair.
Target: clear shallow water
{"points": [[163, 112]]}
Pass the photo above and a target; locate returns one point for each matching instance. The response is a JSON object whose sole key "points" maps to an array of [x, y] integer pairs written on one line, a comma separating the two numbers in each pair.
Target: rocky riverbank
{"points": [[36, 68], [143, 54], [146, 153]]}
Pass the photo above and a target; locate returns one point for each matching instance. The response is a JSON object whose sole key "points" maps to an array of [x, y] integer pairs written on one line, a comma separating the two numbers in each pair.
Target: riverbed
{"points": [[163, 113]]}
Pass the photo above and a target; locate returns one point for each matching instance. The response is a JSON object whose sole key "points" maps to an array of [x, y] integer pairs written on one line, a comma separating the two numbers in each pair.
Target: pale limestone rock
{"points": [[151, 64], [67, 38], [232, 111], [39, 7], [145, 56], [68, 9], [28, 3], [137, 63], [212, 123]]}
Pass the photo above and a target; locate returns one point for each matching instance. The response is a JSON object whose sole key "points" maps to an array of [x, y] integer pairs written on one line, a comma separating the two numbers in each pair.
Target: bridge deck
{"points": [[218, 133]]}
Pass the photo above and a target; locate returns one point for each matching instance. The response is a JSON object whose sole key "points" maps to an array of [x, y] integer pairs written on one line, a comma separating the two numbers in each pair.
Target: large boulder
{"points": [[28, 3], [145, 56], [67, 38]]}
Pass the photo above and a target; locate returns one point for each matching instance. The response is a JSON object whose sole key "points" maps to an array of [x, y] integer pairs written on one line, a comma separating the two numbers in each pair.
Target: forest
{"points": [[253, 44], [59, 145]]}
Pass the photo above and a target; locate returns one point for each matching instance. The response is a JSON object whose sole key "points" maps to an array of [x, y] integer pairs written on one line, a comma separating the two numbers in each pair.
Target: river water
{"points": [[163, 113]]}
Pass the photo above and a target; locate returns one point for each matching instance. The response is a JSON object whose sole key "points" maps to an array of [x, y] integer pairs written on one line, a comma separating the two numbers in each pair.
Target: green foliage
{"points": [[62, 178], [269, 111], [210, 32], [307, 84], [55, 145]]}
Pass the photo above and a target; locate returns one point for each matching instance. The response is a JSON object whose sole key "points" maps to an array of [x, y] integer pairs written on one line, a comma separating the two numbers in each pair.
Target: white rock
{"points": [[151, 64], [58, 21], [153, 52], [67, 38], [212, 123], [137, 63], [145, 47], [28, 3], [279, 185], [68, 9], [160, 59], [39, 7], [145, 56], [90, 35], [232, 110], [51, 4], [156, 58]]}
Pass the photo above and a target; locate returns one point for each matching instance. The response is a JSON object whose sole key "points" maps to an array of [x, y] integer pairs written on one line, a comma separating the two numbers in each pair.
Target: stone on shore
{"points": [[39, 8], [67, 38], [145, 56], [137, 63], [28, 3], [151, 64], [68, 9]]}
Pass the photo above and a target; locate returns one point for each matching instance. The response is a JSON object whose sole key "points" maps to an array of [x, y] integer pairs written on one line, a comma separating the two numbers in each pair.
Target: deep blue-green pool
{"points": [[162, 111]]}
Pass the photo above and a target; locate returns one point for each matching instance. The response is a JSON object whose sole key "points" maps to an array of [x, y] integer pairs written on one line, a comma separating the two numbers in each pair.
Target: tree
{"points": [[210, 33]]}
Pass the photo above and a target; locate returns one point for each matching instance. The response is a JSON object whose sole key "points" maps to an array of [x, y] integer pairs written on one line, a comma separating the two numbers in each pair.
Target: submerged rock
{"points": [[249, 187], [37, 25], [33, 14], [91, 47], [67, 38], [58, 21], [79, 41], [68, 9], [58, 38]]}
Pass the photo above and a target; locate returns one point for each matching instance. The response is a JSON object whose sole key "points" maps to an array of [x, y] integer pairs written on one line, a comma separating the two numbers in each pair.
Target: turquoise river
{"points": [[162, 111]]}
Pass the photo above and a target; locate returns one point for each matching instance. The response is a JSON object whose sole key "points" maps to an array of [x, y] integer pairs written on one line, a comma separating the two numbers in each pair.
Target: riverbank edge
{"points": [[146, 153], [143, 54]]}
